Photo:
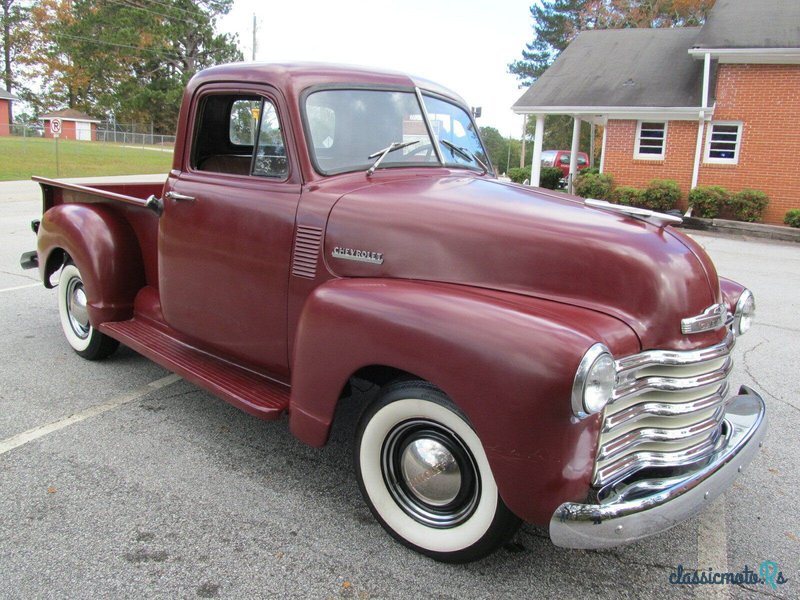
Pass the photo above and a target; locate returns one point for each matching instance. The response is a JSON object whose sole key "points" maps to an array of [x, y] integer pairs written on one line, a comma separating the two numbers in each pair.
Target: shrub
{"points": [[627, 195], [519, 174], [792, 218], [593, 185], [748, 205], [661, 195], [708, 200], [590, 171], [550, 177]]}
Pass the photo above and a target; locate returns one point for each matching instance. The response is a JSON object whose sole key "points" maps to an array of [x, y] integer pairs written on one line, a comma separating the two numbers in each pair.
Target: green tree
{"points": [[503, 152], [14, 38], [126, 59]]}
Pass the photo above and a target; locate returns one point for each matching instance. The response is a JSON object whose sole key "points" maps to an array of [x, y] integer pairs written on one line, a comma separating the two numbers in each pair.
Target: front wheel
{"points": [[425, 475], [72, 308]]}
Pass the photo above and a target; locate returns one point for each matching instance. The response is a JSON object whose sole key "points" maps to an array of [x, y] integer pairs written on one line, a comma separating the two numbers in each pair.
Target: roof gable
{"points": [[6, 95], [751, 24], [636, 68]]}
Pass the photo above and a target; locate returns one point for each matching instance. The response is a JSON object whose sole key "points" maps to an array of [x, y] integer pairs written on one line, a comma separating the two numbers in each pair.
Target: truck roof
{"points": [[296, 77]]}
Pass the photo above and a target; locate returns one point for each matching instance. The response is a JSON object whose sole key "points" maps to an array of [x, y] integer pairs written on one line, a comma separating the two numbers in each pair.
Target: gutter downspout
{"points": [[698, 151], [603, 148]]}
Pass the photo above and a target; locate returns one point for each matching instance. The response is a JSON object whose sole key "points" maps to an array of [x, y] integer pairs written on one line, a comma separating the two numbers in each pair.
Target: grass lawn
{"points": [[20, 158]]}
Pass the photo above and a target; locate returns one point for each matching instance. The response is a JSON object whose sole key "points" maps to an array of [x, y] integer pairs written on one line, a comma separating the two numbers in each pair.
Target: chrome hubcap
{"points": [[76, 308], [430, 473]]}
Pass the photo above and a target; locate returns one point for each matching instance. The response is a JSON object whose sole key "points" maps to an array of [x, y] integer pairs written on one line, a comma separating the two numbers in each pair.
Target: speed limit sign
{"points": [[55, 127]]}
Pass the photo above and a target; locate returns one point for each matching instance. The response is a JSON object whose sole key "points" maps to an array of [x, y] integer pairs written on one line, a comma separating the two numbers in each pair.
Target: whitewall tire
{"points": [[425, 475], [72, 308]]}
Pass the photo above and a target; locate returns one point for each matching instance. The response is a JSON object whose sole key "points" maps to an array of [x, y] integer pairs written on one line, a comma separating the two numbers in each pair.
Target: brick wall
{"points": [[676, 164], [4, 127], [766, 99]]}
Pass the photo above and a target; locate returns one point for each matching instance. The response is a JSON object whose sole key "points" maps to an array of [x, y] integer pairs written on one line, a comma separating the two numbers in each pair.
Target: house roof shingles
{"points": [[651, 68], [6, 95], [70, 114], [752, 24]]}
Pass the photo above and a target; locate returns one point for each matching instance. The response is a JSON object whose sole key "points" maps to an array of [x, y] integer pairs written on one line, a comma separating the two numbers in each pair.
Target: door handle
{"points": [[179, 197]]}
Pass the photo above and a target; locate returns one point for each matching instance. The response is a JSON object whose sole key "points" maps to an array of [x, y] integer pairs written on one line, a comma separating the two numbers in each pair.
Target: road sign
{"points": [[55, 127]]}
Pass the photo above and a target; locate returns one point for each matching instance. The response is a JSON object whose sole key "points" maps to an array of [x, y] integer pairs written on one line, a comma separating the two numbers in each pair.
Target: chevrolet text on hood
{"points": [[536, 357]]}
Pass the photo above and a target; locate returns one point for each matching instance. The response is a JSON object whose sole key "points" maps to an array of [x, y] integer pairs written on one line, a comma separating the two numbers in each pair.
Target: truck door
{"points": [[225, 235]]}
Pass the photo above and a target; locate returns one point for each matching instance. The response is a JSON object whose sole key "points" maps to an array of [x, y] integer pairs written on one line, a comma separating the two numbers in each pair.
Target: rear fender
{"points": [[508, 362], [104, 248]]}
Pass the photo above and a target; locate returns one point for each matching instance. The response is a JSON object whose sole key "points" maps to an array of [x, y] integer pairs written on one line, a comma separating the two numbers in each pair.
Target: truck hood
{"points": [[476, 232]]}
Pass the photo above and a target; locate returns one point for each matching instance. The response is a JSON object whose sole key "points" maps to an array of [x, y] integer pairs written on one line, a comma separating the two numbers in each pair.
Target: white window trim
{"points": [[637, 155], [737, 151]]}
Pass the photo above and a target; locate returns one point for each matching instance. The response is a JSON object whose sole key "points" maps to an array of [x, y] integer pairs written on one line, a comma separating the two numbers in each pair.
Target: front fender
{"points": [[104, 247], [508, 362]]}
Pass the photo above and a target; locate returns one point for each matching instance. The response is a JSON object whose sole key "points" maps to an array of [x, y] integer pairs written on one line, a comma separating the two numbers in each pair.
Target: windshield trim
{"points": [[419, 93]]}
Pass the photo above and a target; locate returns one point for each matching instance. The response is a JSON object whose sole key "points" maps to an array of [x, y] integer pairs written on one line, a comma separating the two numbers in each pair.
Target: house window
{"points": [[651, 139], [723, 142]]}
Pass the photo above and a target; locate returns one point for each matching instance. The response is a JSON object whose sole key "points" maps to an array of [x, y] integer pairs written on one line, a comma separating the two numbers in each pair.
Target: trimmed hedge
{"points": [[792, 218], [519, 174], [550, 177], [661, 195], [627, 195], [748, 205], [708, 200], [594, 185]]}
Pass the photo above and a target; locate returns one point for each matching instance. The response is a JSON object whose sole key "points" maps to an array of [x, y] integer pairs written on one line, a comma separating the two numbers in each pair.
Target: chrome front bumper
{"points": [[650, 506]]}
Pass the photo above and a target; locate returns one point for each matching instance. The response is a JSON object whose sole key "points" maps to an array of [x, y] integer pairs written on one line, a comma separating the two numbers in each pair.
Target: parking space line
{"points": [[21, 287], [712, 548], [38, 432]]}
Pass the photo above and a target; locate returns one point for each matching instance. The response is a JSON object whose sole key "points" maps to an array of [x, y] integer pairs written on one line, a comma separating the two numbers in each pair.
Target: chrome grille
{"points": [[667, 411]]}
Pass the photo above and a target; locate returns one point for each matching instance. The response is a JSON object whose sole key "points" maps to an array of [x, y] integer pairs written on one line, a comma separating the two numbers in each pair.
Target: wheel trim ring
{"points": [[466, 501], [76, 303]]}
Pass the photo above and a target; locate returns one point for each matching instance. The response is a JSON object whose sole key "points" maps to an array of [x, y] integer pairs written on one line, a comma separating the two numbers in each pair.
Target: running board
{"points": [[253, 393]]}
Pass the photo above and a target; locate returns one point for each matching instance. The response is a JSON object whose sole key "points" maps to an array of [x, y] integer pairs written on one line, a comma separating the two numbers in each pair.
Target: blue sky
{"points": [[465, 45]]}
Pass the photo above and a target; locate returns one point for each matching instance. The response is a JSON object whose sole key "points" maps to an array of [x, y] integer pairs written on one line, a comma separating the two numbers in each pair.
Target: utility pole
{"points": [[255, 27]]}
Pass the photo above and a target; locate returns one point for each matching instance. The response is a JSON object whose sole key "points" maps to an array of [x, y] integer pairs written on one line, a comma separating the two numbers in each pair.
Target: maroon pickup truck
{"points": [[539, 357]]}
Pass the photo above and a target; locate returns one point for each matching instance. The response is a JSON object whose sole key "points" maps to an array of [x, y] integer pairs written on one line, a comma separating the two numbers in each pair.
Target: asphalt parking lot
{"points": [[156, 489]]}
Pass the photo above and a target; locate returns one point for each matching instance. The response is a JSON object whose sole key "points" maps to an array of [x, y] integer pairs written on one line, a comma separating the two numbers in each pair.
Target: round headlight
{"points": [[745, 312], [594, 381]]}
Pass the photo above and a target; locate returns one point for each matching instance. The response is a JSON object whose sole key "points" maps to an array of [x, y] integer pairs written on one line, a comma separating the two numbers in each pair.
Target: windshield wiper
{"points": [[466, 154], [381, 154]]}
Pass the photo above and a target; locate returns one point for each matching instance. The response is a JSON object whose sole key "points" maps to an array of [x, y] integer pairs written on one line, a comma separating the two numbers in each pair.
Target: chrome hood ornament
{"points": [[656, 218]]}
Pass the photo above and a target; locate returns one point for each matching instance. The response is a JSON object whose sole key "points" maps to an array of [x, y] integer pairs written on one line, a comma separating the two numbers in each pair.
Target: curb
{"points": [[741, 229]]}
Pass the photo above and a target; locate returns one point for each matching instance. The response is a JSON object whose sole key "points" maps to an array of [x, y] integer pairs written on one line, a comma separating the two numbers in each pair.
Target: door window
{"points": [[239, 135]]}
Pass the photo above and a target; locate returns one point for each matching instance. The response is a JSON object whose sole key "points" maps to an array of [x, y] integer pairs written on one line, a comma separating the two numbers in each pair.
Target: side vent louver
{"points": [[306, 251]]}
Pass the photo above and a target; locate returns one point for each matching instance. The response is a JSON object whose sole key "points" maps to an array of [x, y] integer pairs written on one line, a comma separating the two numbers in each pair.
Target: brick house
{"points": [[75, 125], [6, 98], [710, 105]]}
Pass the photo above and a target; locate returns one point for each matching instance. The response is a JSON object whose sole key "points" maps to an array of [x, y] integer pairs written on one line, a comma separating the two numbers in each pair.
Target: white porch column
{"points": [[573, 154], [538, 138]]}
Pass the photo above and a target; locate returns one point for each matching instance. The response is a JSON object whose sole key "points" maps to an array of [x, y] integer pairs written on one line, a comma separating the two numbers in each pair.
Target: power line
{"points": [[130, 4], [102, 43], [188, 12]]}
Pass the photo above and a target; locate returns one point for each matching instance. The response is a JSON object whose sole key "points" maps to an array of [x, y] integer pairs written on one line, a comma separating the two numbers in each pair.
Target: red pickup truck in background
{"points": [[539, 357]]}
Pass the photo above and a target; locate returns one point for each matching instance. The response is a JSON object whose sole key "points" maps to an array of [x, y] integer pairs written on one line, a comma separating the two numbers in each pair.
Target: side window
{"points": [[723, 141], [270, 150], [651, 140], [239, 135]]}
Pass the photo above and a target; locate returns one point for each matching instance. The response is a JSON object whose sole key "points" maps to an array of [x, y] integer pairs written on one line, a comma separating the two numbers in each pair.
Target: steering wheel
{"points": [[426, 150]]}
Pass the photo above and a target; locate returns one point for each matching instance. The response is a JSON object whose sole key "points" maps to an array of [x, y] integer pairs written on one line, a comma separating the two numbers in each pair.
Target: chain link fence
{"points": [[123, 134]]}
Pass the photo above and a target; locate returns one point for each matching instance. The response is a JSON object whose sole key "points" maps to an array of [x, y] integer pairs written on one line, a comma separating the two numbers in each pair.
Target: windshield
{"points": [[451, 123], [348, 129], [348, 126]]}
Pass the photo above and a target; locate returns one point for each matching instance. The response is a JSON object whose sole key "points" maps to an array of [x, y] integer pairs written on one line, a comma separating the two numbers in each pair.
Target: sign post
{"points": [[55, 131]]}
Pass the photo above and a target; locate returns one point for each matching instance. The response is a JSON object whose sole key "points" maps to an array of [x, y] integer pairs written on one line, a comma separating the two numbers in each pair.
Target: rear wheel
{"points": [[72, 308], [425, 475]]}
